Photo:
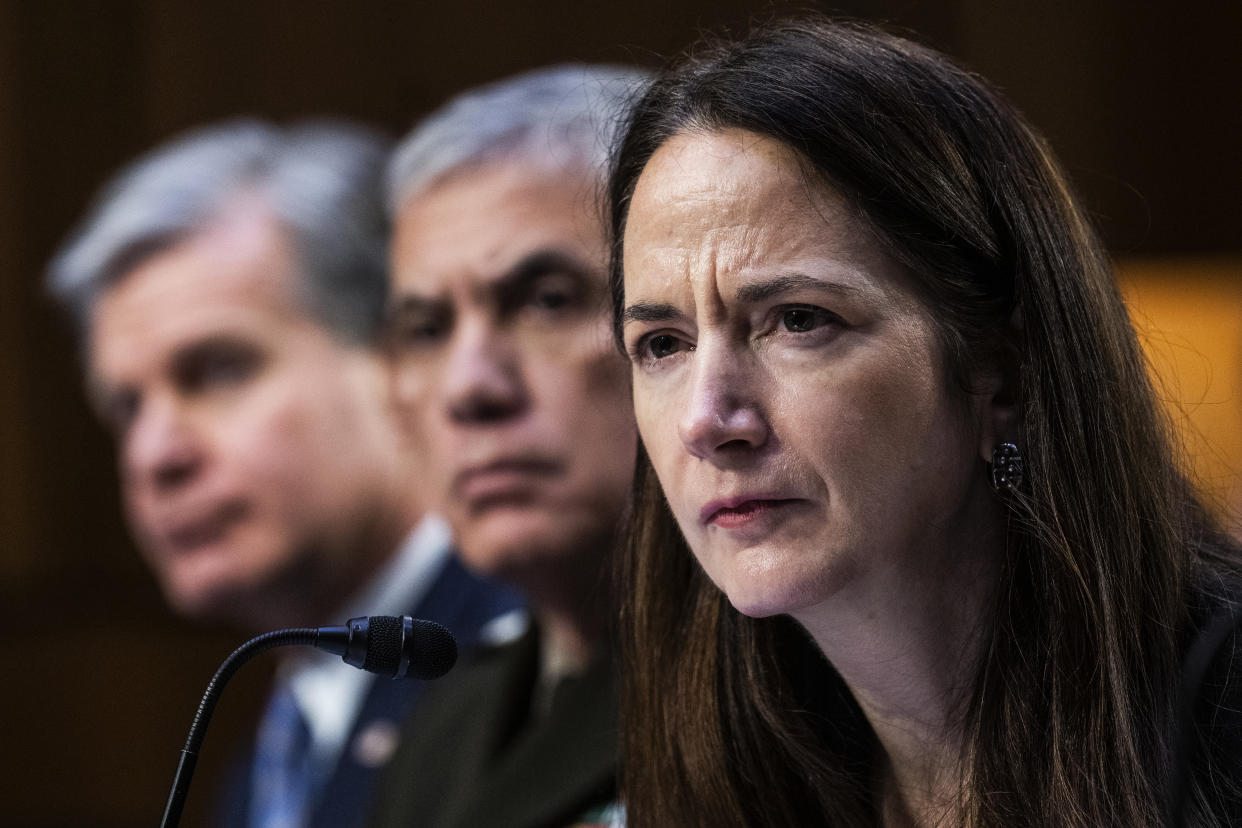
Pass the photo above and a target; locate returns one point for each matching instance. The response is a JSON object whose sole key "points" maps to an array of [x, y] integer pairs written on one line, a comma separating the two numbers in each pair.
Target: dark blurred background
{"points": [[1143, 102]]}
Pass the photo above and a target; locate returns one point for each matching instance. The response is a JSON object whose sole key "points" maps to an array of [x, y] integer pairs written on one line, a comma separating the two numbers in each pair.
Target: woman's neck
{"points": [[906, 640]]}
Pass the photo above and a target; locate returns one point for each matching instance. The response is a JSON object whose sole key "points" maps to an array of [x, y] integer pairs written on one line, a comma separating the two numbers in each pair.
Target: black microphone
{"points": [[393, 646]]}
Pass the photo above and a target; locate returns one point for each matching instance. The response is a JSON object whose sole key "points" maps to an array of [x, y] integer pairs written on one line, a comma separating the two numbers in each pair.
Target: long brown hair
{"points": [[733, 721]]}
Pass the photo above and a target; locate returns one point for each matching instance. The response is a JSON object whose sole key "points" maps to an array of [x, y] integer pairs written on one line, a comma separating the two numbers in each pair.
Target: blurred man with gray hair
{"points": [[229, 290], [504, 360]]}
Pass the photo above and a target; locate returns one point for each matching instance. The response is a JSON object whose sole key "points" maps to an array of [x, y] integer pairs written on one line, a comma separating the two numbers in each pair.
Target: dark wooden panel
{"points": [[1141, 101], [16, 528], [1141, 104]]}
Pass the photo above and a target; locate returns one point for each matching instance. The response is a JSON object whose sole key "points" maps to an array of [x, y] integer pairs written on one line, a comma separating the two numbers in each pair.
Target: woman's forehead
{"points": [[730, 163], [738, 208]]}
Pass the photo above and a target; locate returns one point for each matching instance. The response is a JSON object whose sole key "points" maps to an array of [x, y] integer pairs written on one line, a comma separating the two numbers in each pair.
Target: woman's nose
{"points": [[483, 377], [723, 417]]}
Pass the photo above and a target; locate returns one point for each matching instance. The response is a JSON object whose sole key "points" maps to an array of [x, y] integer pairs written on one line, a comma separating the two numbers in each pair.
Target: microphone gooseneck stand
{"points": [[198, 729], [394, 646]]}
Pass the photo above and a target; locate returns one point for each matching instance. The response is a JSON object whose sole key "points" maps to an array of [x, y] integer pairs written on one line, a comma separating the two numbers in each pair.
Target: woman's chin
{"points": [[766, 603], [797, 592]]}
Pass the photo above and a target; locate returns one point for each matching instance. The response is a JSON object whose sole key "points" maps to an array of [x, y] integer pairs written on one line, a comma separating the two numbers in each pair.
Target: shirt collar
{"points": [[330, 692]]}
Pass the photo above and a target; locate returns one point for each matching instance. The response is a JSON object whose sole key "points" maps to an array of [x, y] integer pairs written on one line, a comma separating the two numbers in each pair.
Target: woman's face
{"points": [[789, 385]]}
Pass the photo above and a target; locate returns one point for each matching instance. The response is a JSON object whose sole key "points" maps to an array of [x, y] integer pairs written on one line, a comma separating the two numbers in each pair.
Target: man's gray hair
{"points": [[562, 118], [322, 182]]}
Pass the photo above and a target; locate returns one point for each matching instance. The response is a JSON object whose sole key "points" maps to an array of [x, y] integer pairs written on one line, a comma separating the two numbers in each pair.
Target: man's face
{"points": [[257, 452], [504, 363]]}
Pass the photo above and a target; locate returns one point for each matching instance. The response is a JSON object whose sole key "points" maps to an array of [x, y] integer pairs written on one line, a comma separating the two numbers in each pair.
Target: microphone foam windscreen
{"points": [[383, 645], [432, 650]]}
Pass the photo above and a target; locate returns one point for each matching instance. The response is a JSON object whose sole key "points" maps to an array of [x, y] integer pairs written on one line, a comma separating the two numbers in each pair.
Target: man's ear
{"points": [[998, 397]]}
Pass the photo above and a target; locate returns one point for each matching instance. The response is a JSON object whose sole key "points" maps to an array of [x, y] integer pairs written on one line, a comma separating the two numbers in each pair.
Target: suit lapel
{"points": [[460, 602]]}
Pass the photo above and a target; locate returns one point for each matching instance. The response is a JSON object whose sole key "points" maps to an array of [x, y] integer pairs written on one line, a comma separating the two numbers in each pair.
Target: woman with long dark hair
{"points": [[912, 543]]}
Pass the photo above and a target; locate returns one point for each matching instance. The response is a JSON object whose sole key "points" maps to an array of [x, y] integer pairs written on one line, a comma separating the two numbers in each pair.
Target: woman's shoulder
{"points": [[1212, 694], [1212, 659]]}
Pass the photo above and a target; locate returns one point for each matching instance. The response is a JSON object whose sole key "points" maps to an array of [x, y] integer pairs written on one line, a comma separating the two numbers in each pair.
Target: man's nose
{"points": [[161, 448], [483, 377], [723, 415]]}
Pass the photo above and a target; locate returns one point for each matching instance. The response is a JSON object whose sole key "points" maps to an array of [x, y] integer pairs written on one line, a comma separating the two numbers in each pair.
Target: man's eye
{"points": [[227, 368], [221, 369], [418, 333], [119, 410], [550, 299], [554, 293], [216, 367], [414, 330]]}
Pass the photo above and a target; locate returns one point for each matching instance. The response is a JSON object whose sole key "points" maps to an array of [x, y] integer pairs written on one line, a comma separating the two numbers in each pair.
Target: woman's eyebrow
{"points": [[746, 294], [766, 289], [649, 312]]}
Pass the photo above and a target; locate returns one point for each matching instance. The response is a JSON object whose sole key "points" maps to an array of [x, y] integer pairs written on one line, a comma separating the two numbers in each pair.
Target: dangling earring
{"points": [[1008, 468]]}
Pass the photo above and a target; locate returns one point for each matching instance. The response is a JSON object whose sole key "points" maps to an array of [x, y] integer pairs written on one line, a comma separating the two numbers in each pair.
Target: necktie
{"points": [[283, 782]]}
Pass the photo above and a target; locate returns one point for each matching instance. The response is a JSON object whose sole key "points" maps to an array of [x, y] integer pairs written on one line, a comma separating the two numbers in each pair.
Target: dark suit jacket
{"points": [[461, 602], [474, 756]]}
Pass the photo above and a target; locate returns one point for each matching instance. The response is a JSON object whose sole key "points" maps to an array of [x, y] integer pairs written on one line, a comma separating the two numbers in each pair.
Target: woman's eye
{"points": [[804, 319], [663, 346], [660, 346]]}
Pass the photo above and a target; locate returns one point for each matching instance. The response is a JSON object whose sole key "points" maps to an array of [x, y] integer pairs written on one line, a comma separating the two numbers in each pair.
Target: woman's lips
{"points": [[738, 512]]}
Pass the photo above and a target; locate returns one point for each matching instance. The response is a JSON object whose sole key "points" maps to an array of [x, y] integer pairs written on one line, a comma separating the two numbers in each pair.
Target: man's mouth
{"points": [[505, 480], [196, 531]]}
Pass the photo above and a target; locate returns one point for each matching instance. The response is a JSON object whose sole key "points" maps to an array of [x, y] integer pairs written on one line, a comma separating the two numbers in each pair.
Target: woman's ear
{"points": [[997, 384]]}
